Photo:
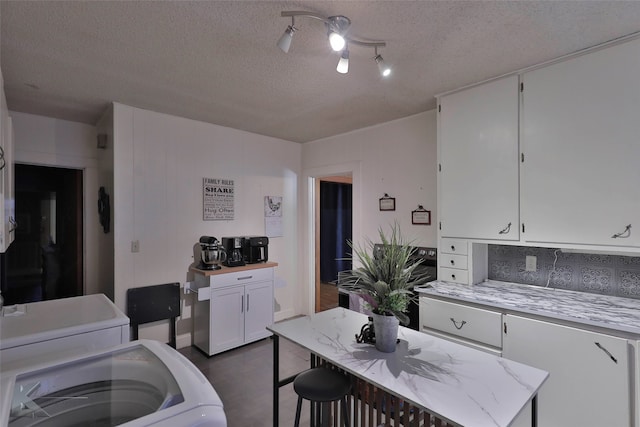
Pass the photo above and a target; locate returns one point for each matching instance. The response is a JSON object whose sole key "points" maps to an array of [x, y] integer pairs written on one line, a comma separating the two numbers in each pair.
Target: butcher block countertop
{"points": [[225, 270]]}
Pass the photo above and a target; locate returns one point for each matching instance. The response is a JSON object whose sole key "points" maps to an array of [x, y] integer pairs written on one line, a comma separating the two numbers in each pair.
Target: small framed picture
{"points": [[387, 203], [421, 216]]}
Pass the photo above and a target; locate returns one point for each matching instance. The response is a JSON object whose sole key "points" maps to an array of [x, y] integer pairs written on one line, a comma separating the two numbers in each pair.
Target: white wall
{"points": [[159, 164], [46, 141], [398, 158]]}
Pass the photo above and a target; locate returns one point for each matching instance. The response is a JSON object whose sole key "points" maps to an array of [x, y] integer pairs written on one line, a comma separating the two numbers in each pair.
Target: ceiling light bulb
{"points": [[343, 64], [285, 41], [336, 41], [382, 67]]}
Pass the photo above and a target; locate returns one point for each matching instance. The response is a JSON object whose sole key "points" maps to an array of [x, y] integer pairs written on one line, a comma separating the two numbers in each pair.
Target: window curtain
{"points": [[335, 229]]}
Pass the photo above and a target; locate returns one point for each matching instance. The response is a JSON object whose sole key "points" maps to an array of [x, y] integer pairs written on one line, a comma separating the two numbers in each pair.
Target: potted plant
{"points": [[385, 279]]}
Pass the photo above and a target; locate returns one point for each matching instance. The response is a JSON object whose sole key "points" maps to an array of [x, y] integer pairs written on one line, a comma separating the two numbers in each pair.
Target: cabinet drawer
{"points": [[453, 261], [470, 323], [453, 246], [453, 275], [242, 277]]}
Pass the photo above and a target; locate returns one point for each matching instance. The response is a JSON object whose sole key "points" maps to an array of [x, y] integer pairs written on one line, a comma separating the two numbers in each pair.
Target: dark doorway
{"points": [[45, 260], [335, 229]]}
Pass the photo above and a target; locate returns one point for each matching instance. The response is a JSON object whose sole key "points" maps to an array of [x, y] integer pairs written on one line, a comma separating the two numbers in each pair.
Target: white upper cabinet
{"points": [[7, 205], [581, 146], [478, 161]]}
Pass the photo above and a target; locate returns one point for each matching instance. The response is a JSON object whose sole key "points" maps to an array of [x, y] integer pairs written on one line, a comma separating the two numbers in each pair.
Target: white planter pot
{"points": [[386, 330]]}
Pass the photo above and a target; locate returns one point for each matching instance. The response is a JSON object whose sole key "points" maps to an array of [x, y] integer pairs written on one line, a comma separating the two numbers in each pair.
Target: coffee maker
{"points": [[256, 249], [234, 248], [211, 253]]}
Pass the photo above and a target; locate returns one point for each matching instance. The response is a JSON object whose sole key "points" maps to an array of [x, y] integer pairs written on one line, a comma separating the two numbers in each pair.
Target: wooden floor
{"points": [[328, 296], [243, 379]]}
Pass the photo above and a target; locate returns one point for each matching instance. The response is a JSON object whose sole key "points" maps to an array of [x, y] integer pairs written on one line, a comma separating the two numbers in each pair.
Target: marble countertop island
{"points": [[455, 382], [612, 313]]}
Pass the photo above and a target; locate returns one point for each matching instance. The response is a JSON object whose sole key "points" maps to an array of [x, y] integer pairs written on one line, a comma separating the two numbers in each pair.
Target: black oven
{"points": [[428, 258]]}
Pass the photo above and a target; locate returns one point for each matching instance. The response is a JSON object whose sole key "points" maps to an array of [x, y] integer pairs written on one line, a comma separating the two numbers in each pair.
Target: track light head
{"points": [[338, 26], [384, 69], [285, 41], [343, 63]]}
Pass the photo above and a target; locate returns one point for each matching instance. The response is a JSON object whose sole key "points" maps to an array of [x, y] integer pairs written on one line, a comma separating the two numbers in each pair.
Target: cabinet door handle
{"points": [[244, 278], [505, 230], [242, 304], [4, 163], [623, 234], [247, 303], [606, 351], [456, 324]]}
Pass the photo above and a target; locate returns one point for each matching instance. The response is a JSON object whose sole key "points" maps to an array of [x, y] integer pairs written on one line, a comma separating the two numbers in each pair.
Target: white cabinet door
{"points": [[7, 205], [227, 318], [478, 161], [258, 310], [581, 145], [589, 373]]}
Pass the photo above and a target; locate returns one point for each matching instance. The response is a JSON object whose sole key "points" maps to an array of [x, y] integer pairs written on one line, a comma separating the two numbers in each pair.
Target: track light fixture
{"points": [[343, 63], [339, 39], [285, 41], [382, 67]]}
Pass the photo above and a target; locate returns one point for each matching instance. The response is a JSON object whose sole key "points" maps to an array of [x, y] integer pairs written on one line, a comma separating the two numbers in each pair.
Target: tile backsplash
{"points": [[595, 273]]}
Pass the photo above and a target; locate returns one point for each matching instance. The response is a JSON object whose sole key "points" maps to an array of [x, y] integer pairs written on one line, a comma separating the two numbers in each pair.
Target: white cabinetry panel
{"points": [[581, 142], [232, 308], [589, 372], [478, 156]]}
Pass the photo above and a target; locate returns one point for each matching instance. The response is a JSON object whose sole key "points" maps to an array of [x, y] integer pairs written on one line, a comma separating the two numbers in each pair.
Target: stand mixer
{"points": [[212, 254]]}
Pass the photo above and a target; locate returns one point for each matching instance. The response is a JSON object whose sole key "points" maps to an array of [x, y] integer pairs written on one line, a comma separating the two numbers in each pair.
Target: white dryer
{"points": [[141, 383]]}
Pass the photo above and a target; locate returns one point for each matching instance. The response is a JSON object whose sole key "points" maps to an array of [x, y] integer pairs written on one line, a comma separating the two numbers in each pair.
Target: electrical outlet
{"points": [[135, 246], [530, 263]]}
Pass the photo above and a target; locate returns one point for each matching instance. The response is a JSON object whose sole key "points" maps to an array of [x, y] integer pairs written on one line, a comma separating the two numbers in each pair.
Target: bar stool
{"points": [[321, 386]]}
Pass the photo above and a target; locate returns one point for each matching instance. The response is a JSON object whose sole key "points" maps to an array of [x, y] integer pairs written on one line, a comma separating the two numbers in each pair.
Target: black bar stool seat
{"points": [[322, 385]]}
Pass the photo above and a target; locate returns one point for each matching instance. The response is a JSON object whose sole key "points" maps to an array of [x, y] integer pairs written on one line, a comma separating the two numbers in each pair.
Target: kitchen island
{"points": [[452, 382]]}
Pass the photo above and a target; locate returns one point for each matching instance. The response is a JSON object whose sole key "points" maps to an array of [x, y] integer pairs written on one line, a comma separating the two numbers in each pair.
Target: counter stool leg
{"points": [[298, 409], [345, 413]]}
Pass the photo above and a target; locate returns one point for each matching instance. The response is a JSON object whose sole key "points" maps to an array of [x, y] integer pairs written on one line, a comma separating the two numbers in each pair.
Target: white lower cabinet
{"points": [[590, 375], [237, 310], [475, 327]]}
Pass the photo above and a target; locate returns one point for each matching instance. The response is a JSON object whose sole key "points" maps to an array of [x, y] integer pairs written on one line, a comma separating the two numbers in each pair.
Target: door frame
{"points": [[308, 294]]}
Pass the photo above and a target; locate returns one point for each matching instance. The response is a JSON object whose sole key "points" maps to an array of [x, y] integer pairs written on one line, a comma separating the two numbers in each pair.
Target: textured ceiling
{"points": [[217, 61]]}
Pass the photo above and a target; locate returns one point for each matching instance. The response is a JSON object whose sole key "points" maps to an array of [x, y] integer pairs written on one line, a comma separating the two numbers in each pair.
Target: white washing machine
{"points": [[140, 383], [41, 331]]}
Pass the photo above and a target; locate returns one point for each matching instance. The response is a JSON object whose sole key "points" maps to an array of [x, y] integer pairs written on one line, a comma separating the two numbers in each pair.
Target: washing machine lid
{"points": [[46, 320], [138, 383]]}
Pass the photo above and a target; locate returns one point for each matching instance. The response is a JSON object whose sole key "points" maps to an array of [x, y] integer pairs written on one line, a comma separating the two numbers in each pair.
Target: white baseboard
{"points": [[283, 314]]}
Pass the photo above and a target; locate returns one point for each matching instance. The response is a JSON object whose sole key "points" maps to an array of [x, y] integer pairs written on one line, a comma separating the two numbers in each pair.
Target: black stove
{"points": [[428, 258]]}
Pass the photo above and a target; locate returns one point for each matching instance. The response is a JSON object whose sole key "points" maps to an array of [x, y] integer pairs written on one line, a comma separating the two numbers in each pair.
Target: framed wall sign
{"points": [[421, 216], [387, 203]]}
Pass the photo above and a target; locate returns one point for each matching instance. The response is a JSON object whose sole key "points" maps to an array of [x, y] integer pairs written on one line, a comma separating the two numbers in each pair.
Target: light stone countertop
{"points": [[455, 382], [614, 313]]}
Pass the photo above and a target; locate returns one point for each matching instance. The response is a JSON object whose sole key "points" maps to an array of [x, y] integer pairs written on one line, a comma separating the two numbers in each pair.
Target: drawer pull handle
{"points": [[453, 262], [624, 234], [244, 278], [606, 351], [456, 324], [453, 276], [453, 248], [505, 230]]}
